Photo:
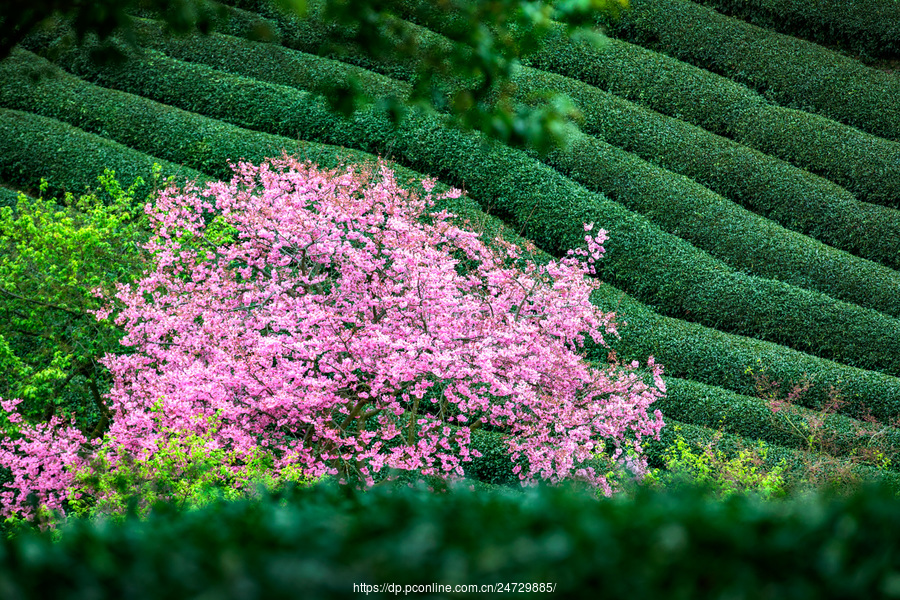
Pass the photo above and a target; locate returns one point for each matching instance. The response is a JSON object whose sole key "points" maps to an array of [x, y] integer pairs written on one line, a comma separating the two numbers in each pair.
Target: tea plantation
{"points": [[744, 156]]}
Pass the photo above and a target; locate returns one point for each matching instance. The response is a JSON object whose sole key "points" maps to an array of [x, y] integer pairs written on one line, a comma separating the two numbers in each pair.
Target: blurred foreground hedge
{"points": [[320, 541]]}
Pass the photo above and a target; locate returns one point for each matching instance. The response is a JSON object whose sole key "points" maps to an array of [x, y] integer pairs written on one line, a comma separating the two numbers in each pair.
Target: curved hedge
{"points": [[769, 186], [34, 148], [657, 267], [740, 238], [867, 27], [787, 70], [864, 164]]}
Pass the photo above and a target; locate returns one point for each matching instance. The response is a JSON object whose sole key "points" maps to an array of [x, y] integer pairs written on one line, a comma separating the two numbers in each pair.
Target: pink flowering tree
{"points": [[337, 324]]}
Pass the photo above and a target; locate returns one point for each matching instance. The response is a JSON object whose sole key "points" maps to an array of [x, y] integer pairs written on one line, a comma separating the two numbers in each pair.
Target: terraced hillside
{"points": [[749, 181]]}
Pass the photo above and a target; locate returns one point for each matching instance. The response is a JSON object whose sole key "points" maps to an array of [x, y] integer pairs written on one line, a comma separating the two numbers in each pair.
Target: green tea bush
{"points": [[864, 164], [737, 237], [766, 185], [867, 27], [786, 70], [35, 148]]}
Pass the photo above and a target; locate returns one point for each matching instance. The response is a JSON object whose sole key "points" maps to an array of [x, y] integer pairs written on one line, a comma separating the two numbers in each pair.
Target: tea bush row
{"points": [[769, 186], [324, 540], [34, 148], [867, 27], [750, 418], [864, 164], [787, 70], [741, 239]]}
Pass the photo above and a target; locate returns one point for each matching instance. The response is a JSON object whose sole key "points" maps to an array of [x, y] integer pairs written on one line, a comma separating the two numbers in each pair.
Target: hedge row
{"points": [[867, 27], [328, 541], [686, 349], [866, 165], [750, 418], [659, 268], [734, 235], [769, 186], [787, 70], [741, 239], [34, 148]]}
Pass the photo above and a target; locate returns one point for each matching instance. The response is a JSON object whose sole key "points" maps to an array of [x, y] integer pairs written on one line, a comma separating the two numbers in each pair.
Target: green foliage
{"points": [[801, 470], [864, 164], [321, 540], [870, 28], [766, 185], [488, 41], [55, 260], [484, 53], [839, 436], [710, 468], [186, 471], [35, 149], [741, 239], [786, 70]]}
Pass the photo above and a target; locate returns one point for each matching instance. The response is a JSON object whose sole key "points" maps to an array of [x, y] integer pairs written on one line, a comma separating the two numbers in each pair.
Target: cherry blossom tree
{"points": [[337, 323]]}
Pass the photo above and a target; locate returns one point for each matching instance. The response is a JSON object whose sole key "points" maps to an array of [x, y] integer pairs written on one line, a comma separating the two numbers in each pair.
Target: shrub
{"points": [[318, 320], [712, 469], [867, 27], [54, 260], [320, 541], [35, 149], [864, 164], [787, 70]]}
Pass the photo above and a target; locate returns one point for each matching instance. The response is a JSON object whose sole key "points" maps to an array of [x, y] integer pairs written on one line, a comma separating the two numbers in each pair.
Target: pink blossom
{"points": [[341, 333]]}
